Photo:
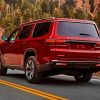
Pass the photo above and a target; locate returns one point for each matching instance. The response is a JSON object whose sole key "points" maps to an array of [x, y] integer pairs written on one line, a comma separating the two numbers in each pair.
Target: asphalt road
{"points": [[15, 87]]}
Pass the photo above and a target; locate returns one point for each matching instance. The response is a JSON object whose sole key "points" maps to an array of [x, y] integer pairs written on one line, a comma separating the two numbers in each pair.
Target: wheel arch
{"points": [[1, 58], [29, 52]]}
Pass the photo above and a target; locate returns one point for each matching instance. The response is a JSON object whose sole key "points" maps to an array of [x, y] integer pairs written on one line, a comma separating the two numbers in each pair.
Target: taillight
{"points": [[50, 41], [62, 44], [97, 46]]}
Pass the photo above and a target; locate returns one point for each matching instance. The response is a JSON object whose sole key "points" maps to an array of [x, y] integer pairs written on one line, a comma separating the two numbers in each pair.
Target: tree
{"points": [[45, 6], [91, 2], [97, 19], [52, 6], [8, 26], [37, 11], [71, 2], [80, 14], [57, 12], [68, 11], [14, 12]]}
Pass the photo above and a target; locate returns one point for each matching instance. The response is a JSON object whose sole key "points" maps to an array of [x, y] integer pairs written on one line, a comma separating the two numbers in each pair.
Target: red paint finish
{"points": [[51, 46]]}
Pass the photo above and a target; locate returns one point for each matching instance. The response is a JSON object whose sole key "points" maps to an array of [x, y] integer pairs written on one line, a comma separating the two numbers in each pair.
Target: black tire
{"points": [[83, 78], [31, 73], [3, 71]]}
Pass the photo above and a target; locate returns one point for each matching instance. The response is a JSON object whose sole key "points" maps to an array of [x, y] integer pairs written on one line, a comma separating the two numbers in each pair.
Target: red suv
{"points": [[52, 46]]}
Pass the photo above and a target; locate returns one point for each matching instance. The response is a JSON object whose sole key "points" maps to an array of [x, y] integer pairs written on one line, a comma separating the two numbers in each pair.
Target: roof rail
{"points": [[45, 18], [38, 19], [49, 18]]}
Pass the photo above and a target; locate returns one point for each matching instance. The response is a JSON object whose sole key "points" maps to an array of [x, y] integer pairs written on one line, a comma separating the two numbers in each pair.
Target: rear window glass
{"points": [[77, 29]]}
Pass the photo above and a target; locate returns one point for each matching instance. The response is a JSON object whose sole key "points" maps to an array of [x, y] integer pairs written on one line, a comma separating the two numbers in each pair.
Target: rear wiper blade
{"points": [[82, 42], [85, 34]]}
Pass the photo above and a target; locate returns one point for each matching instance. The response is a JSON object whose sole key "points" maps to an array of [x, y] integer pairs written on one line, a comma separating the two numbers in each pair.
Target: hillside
{"points": [[15, 12], [88, 5]]}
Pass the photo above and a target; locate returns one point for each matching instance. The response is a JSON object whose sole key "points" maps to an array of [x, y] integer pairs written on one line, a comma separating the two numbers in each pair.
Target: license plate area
{"points": [[81, 46]]}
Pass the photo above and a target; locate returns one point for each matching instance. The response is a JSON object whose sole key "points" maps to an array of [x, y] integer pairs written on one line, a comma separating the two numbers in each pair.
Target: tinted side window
{"points": [[41, 29], [25, 32], [13, 36]]}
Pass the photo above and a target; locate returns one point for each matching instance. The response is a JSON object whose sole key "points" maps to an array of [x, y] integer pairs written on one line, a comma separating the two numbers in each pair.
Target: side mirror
{"points": [[4, 37]]}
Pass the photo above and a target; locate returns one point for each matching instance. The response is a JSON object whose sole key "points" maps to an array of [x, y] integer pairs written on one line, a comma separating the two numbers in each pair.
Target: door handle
{"points": [[23, 43], [11, 44]]}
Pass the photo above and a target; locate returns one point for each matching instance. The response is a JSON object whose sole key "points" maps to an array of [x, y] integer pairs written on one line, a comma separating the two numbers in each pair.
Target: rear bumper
{"points": [[90, 65], [93, 66], [76, 62]]}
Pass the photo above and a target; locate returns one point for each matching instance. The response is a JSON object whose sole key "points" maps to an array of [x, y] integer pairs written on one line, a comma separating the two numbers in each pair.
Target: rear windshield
{"points": [[77, 29]]}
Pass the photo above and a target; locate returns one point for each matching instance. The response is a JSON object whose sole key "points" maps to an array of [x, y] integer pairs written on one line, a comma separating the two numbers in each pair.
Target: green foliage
{"points": [[69, 12], [8, 26], [37, 11], [58, 13], [45, 6], [17, 19], [81, 14], [14, 13]]}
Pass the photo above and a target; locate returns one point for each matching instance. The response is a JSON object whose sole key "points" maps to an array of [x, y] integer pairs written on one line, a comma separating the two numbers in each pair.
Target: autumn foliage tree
{"points": [[15, 12]]}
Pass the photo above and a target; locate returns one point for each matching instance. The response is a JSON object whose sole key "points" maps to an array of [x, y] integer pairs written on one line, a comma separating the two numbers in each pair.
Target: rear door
{"points": [[77, 41], [42, 31]]}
